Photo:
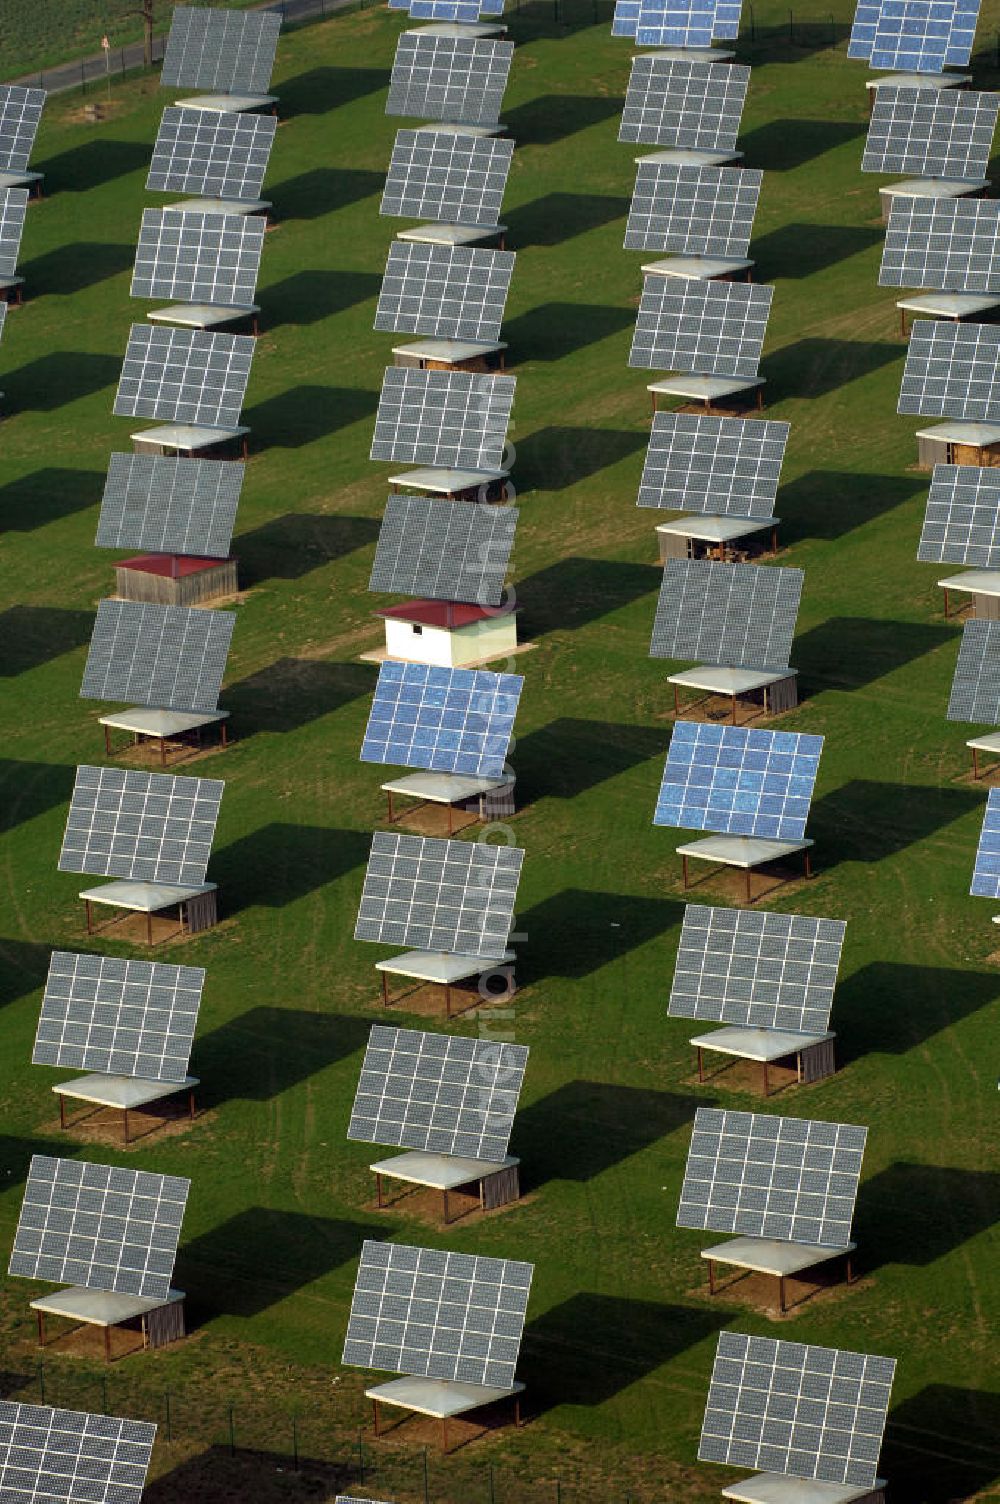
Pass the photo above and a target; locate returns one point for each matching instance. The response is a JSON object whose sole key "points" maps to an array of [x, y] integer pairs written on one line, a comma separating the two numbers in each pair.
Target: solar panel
{"points": [[726, 27], [952, 371], [170, 657], [931, 133], [444, 550], [71, 1456], [3, 316], [13, 205], [675, 23], [712, 327], [726, 467], [445, 175], [737, 780], [450, 720], [920, 36], [975, 685], [170, 505], [428, 1312], [684, 104], [862, 36], [439, 1093], [791, 1408], [450, 418], [184, 375], [766, 971], [451, 292], [625, 19], [150, 827], [439, 895], [705, 211], [741, 615], [465, 11], [211, 152], [20, 111], [99, 1226], [962, 520], [459, 79], [986, 873], [949, 244], [231, 52], [198, 258], [122, 1018]]}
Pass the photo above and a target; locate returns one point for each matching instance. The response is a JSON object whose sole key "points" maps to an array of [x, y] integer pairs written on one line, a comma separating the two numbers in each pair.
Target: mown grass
{"points": [[619, 1345]]}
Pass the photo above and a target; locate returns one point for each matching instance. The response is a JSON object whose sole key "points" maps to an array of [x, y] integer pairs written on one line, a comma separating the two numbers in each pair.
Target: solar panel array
{"points": [[439, 895], [921, 36], [458, 79], [170, 657], [122, 1018], [464, 11], [170, 505], [931, 133], [451, 292], [198, 258], [20, 111], [715, 328], [796, 1409], [671, 102], [428, 1312], [447, 418], [150, 827], [962, 519], [231, 52], [184, 376], [446, 175], [952, 371], [625, 18], [211, 152], [444, 550], [740, 615], [949, 244], [986, 873], [449, 720], [722, 466], [13, 205], [438, 1093], [863, 26], [675, 23], [765, 971], [99, 1226], [794, 1179], [71, 1456], [975, 686], [704, 211], [738, 780]]}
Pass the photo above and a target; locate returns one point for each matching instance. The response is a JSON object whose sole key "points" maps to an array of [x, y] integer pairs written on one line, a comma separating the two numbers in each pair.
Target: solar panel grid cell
{"points": [[71, 1457], [149, 827], [705, 211], [684, 104], [951, 245], [721, 466], [20, 111], [450, 292], [446, 418], [931, 133], [213, 153], [741, 615], [962, 519], [449, 720], [952, 371], [170, 657], [444, 550], [198, 258], [447, 176], [170, 505], [712, 328], [735, 780], [184, 376], [231, 52], [460, 79]]}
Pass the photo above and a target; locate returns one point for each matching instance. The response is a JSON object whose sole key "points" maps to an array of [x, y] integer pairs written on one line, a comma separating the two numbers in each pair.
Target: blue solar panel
{"points": [[863, 29], [675, 23], [626, 16], [727, 20], [445, 10], [986, 874], [734, 780], [922, 35], [449, 720], [963, 32]]}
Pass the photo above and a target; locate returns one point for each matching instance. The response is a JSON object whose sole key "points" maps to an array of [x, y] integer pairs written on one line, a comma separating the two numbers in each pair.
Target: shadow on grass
{"points": [[568, 595], [865, 821], [917, 1214], [816, 367], [16, 1155], [604, 1124], [321, 190], [71, 268], [578, 931], [307, 413], [292, 692], [264, 1477], [565, 757], [28, 789], [265, 1051], [14, 1381], [784, 144], [829, 503], [322, 89], [47, 494], [943, 1445], [550, 117], [23, 964], [798, 250], [280, 863], [561, 216], [288, 547], [92, 164], [891, 1007], [64, 376], [550, 459], [848, 652], [33, 635], [308, 297], [553, 330]]}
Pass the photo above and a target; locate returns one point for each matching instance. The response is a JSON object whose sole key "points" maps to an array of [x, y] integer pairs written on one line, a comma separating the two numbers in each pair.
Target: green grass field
{"points": [[621, 1334]]}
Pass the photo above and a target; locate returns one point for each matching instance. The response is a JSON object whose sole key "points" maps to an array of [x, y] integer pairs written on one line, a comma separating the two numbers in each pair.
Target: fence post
{"points": [[493, 1497], [833, 31], [361, 1456], [104, 1394], [83, 79], [753, 25], [295, 1442], [232, 1432], [169, 1427], [558, 1491], [427, 1481], [791, 27]]}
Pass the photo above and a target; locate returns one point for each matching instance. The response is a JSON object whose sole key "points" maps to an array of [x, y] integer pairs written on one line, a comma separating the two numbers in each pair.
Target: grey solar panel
{"points": [[951, 245], [149, 827], [184, 375], [767, 971], [740, 615], [231, 52], [975, 686], [122, 1018], [198, 258], [726, 467], [931, 133], [435, 1314], [71, 1457], [170, 505], [99, 1226], [451, 292], [986, 872], [761, 1176], [20, 111], [449, 418], [795, 1409], [13, 205], [445, 175], [444, 550], [170, 657], [697, 106], [438, 1093], [703, 211], [962, 519], [458, 79], [952, 371], [439, 895], [211, 152], [714, 328]]}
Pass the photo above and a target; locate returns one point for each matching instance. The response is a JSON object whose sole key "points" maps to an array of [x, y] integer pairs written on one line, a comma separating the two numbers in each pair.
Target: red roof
{"points": [[442, 613], [172, 566]]}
